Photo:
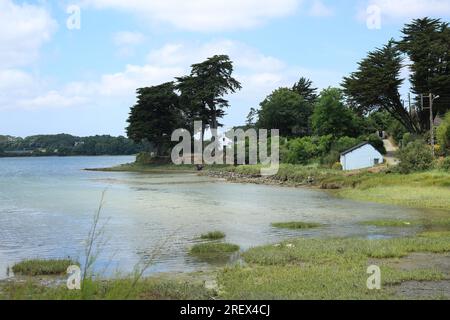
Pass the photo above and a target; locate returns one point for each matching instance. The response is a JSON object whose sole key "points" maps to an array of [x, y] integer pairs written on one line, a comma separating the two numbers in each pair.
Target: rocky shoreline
{"points": [[258, 179]]}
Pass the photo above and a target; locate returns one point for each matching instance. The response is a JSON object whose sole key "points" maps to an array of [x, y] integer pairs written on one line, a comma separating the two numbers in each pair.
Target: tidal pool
{"points": [[47, 206]]}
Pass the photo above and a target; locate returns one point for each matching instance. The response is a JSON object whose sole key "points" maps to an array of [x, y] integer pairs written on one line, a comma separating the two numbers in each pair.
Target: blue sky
{"points": [[56, 79]]}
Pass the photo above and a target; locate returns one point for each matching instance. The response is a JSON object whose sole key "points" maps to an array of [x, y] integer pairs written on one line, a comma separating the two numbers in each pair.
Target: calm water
{"points": [[47, 206]]}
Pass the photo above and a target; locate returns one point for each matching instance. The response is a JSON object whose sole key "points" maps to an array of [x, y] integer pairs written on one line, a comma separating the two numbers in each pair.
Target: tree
{"points": [[304, 88], [426, 42], [443, 134], [331, 116], [203, 90], [251, 117], [155, 116], [287, 111], [375, 86]]}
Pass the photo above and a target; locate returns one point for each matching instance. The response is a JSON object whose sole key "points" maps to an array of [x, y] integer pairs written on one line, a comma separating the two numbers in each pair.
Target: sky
{"points": [[73, 66]]}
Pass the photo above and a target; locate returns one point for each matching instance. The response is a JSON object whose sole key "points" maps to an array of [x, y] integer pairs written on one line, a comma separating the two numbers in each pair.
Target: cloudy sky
{"points": [[56, 77]]}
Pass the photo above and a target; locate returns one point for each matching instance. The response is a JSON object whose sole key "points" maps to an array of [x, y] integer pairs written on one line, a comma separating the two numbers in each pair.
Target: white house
{"points": [[362, 156]]}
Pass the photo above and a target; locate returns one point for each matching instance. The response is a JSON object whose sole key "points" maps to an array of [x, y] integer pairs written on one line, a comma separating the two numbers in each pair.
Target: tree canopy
{"points": [[332, 117], [203, 91], [155, 116], [287, 111], [304, 87]]}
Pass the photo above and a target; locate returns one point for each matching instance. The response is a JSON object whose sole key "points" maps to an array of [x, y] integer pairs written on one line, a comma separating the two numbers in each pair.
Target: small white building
{"points": [[362, 156]]}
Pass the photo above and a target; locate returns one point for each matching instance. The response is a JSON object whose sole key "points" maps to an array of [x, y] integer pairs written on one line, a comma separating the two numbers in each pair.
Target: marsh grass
{"points": [[428, 223], [40, 267], [327, 268], [146, 289], [296, 225], [213, 235], [213, 248]]}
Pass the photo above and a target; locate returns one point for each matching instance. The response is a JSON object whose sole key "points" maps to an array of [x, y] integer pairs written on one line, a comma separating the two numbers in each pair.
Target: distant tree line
{"points": [[67, 145]]}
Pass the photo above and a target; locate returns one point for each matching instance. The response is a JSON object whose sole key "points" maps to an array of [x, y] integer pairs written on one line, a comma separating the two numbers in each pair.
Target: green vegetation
{"points": [[287, 110], [443, 136], [67, 145], [327, 269], [416, 156], [295, 269], [436, 223], [213, 235], [37, 267], [146, 289], [295, 225], [213, 248]]}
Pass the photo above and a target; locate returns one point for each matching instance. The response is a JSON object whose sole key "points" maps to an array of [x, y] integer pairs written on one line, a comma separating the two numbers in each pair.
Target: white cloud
{"points": [[204, 15], [127, 38], [24, 29], [319, 9], [127, 41], [408, 9], [259, 74]]}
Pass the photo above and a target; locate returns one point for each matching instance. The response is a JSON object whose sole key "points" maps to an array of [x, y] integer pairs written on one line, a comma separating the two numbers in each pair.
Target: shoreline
{"points": [[421, 190]]}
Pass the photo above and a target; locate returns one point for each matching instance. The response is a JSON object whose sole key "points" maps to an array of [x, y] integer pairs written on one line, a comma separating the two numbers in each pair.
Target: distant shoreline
{"points": [[65, 156]]}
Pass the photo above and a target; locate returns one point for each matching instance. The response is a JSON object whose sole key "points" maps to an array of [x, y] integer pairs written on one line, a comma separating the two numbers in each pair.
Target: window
{"points": [[376, 161]]}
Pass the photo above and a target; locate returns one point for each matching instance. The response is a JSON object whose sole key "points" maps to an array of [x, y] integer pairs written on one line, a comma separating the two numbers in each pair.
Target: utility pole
{"points": [[409, 103], [432, 97]]}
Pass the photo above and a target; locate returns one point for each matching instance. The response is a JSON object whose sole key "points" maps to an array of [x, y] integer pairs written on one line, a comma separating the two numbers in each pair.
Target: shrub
{"points": [[377, 143], [144, 158], [443, 134], [416, 156], [330, 159], [445, 164], [337, 166]]}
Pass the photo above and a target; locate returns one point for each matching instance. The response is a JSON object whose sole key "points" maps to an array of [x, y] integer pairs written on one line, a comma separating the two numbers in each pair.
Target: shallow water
{"points": [[47, 206]]}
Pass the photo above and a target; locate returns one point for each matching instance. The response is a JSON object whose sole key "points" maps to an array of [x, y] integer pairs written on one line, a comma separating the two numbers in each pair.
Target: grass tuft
{"points": [[213, 248], [296, 225], [213, 235], [38, 267]]}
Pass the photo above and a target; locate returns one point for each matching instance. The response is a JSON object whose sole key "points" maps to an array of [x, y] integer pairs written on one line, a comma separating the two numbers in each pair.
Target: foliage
{"points": [[203, 91], [337, 166], [376, 142], [304, 87], [443, 134], [416, 156], [155, 116], [65, 144], [332, 117], [375, 86], [287, 111], [445, 164], [303, 150], [426, 42]]}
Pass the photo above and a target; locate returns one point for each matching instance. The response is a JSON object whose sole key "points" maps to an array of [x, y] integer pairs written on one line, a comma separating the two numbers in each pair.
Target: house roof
{"points": [[354, 148]]}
